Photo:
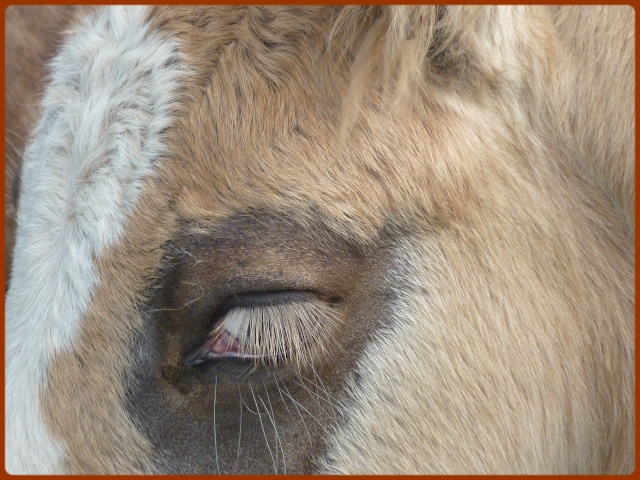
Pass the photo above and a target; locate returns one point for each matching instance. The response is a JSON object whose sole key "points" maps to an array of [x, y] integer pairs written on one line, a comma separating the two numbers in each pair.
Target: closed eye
{"points": [[270, 327]]}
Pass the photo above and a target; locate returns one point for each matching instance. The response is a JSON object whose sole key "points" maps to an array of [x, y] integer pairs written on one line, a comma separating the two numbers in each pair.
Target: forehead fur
{"points": [[270, 91]]}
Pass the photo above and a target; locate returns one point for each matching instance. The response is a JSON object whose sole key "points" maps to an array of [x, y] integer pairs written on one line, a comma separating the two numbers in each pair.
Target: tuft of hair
{"points": [[401, 51], [398, 48]]}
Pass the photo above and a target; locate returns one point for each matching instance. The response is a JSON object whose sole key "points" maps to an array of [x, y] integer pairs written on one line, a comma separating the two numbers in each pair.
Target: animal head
{"points": [[325, 239]]}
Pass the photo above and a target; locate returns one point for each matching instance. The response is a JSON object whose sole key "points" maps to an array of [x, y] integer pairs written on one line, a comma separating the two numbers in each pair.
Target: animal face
{"points": [[325, 239]]}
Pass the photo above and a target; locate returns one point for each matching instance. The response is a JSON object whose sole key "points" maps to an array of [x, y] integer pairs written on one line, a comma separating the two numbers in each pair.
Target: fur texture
{"points": [[32, 37], [108, 100], [458, 180]]}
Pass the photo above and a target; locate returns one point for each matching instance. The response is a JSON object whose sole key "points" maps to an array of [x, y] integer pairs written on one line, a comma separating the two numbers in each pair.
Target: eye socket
{"points": [[269, 327]]}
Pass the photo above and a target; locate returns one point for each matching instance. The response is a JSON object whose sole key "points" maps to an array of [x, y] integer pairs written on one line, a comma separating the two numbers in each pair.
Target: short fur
{"points": [[33, 35], [79, 180], [459, 179]]}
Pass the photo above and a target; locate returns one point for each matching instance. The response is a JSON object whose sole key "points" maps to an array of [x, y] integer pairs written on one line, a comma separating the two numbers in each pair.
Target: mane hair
{"points": [[401, 49]]}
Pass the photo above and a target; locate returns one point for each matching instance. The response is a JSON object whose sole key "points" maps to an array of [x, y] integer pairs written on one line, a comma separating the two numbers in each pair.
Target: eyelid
{"points": [[265, 299], [272, 326]]}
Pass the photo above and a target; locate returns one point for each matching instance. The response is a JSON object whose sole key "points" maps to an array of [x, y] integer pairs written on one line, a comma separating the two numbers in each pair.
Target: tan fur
{"points": [[519, 344], [84, 401], [595, 84], [551, 268], [511, 347]]}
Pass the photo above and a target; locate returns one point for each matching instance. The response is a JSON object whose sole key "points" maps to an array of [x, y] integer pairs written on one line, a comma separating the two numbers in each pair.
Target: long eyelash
{"points": [[293, 332]]}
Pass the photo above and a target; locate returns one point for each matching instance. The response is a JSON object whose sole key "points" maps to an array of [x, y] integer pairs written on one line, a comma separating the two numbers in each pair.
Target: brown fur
{"points": [[80, 414], [487, 181]]}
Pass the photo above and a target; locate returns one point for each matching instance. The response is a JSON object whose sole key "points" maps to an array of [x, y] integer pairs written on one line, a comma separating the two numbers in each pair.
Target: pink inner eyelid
{"points": [[220, 345], [288, 327]]}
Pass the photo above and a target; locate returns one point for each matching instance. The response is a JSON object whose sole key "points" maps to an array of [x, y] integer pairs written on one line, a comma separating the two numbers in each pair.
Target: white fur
{"points": [[109, 99]]}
